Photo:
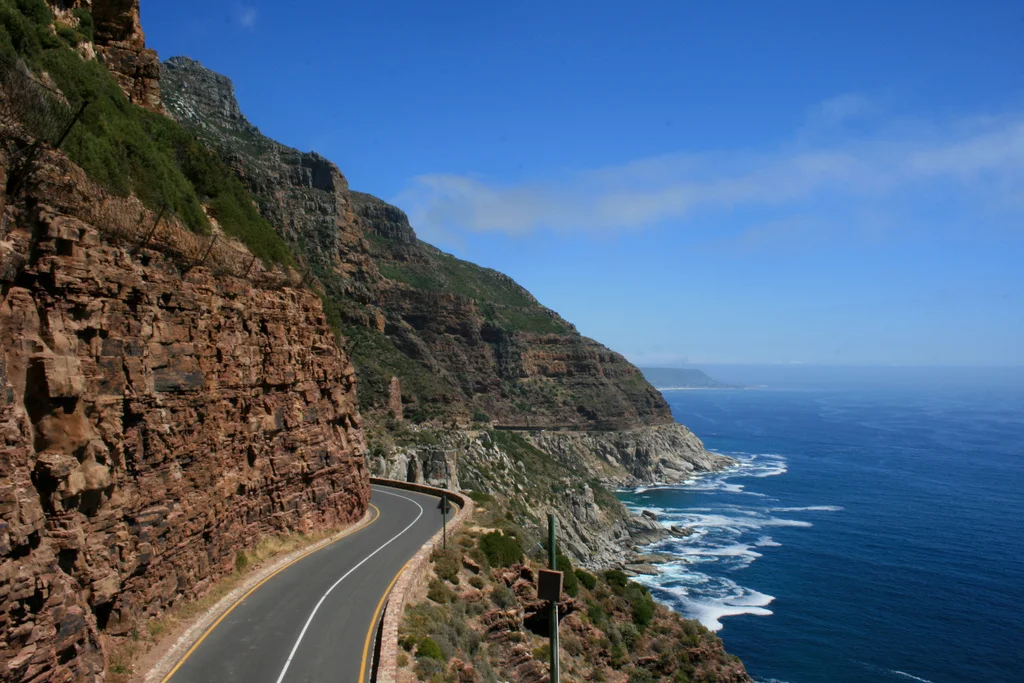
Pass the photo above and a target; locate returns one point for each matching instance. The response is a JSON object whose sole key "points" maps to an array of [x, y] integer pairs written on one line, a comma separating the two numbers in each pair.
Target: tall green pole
{"points": [[553, 617]]}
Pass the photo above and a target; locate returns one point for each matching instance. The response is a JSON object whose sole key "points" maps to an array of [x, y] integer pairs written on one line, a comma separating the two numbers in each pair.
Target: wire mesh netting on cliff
{"points": [[127, 222], [34, 117], [31, 111]]}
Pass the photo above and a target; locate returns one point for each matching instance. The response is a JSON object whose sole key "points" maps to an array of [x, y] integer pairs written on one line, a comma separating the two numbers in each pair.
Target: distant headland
{"points": [[684, 378]]}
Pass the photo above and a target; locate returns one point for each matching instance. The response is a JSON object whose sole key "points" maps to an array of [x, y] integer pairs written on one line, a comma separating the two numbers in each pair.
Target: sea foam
{"points": [[729, 536]]}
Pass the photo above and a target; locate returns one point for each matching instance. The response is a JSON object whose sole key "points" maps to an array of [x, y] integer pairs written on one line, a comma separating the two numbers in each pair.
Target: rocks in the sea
{"points": [[152, 426], [653, 558], [681, 531], [650, 515], [643, 568]]}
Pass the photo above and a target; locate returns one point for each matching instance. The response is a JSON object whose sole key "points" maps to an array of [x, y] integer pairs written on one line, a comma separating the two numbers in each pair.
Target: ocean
{"points": [[873, 530]]}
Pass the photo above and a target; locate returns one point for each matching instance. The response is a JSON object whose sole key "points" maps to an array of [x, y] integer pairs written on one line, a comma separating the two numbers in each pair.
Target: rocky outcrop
{"points": [[121, 45], [153, 425], [666, 454]]}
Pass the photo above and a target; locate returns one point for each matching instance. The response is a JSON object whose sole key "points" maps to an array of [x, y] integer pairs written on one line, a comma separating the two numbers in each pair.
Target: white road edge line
{"points": [[312, 614]]}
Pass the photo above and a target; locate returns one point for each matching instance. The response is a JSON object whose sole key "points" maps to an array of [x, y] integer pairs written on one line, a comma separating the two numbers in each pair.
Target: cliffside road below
{"points": [[310, 621]]}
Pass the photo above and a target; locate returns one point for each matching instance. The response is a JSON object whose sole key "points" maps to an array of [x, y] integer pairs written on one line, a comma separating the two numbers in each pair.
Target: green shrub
{"points": [[85, 22], [481, 498], [630, 634], [619, 656], [500, 549], [643, 610], [586, 578], [476, 582], [241, 561], [639, 675], [70, 35], [598, 617], [616, 578], [428, 669], [438, 591], [502, 596], [429, 648], [480, 416], [447, 564]]}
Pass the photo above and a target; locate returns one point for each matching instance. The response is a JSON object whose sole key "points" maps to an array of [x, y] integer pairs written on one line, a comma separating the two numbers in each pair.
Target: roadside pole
{"points": [[553, 616], [443, 506]]}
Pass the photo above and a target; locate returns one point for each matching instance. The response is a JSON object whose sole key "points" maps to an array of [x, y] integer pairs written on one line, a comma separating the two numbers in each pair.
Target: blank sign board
{"points": [[549, 585]]}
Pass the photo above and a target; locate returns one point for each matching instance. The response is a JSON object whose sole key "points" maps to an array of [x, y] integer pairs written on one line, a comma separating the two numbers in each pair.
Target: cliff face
{"points": [[153, 424], [463, 340], [118, 41], [302, 194]]}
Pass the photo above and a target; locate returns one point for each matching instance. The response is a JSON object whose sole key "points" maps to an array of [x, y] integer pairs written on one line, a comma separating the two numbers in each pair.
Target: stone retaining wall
{"points": [[413, 575]]}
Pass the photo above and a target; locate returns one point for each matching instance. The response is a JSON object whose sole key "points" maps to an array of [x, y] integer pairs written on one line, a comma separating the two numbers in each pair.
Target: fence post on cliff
{"points": [[74, 120], [149, 235], [251, 264]]}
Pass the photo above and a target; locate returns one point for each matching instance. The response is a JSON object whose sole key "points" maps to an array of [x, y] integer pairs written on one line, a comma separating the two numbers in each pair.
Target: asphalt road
{"points": [[310, 621]]}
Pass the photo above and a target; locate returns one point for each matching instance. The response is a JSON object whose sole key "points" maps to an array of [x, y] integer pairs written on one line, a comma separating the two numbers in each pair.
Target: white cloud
{"points": [[842, 109], [978, 155], [245, 15]]}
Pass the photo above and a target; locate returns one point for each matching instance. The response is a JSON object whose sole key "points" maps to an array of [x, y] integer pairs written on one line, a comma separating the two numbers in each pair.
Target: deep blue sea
{"points": [[874, 530]]}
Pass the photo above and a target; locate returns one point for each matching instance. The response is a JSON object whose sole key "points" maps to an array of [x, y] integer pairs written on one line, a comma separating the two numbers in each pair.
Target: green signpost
{"points": [[553, 618], [445, 507]]}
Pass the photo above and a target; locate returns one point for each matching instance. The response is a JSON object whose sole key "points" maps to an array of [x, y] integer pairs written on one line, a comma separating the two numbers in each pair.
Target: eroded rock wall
{"points": [[152, 425], [121, 45], [666, 454]]}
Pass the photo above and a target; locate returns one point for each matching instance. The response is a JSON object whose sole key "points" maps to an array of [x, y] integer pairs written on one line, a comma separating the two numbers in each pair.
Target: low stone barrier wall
{"points": [[413, 576]]}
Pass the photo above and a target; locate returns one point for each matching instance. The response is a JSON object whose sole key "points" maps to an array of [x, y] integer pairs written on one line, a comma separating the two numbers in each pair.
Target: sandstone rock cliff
{"points": [[118, 41], [153, 424]]}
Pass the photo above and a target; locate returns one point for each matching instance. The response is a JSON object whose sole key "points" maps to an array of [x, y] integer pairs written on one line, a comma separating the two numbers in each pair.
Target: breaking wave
{"points": [[722, 538]]}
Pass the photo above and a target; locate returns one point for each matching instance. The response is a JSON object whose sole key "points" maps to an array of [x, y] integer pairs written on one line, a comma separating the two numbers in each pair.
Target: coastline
{"points": [[711, 388]]}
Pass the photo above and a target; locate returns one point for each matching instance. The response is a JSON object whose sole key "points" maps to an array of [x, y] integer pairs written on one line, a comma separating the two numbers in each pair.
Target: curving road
{"points": [[312, 620]]}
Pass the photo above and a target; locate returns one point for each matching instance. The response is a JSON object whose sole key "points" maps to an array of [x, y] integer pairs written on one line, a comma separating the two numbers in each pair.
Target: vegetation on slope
{"points": [[480, 619], [499, 299], [125, 148]]}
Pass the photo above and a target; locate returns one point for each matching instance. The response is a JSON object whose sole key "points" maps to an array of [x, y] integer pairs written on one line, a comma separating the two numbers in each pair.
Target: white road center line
{"points": [[312, 614]]}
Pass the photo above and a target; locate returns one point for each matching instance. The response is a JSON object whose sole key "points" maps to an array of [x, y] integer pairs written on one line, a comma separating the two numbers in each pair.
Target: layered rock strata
{"points": [[153, 426]]}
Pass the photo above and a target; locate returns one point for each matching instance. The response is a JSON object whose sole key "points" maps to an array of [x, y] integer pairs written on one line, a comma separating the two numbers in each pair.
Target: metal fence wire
{"points": [[30, 110], [126, 222]]}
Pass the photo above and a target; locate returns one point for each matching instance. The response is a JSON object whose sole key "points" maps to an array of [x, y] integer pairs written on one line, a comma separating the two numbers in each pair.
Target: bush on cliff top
{"points": [[127, 149]]}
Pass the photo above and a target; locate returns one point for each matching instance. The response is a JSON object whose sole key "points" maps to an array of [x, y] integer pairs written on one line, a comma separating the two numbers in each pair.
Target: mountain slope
{"points": [[464, 341]]}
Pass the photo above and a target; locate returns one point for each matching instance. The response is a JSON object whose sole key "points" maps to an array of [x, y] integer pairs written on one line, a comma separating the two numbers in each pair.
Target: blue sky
{"points": [[687, 182]]}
